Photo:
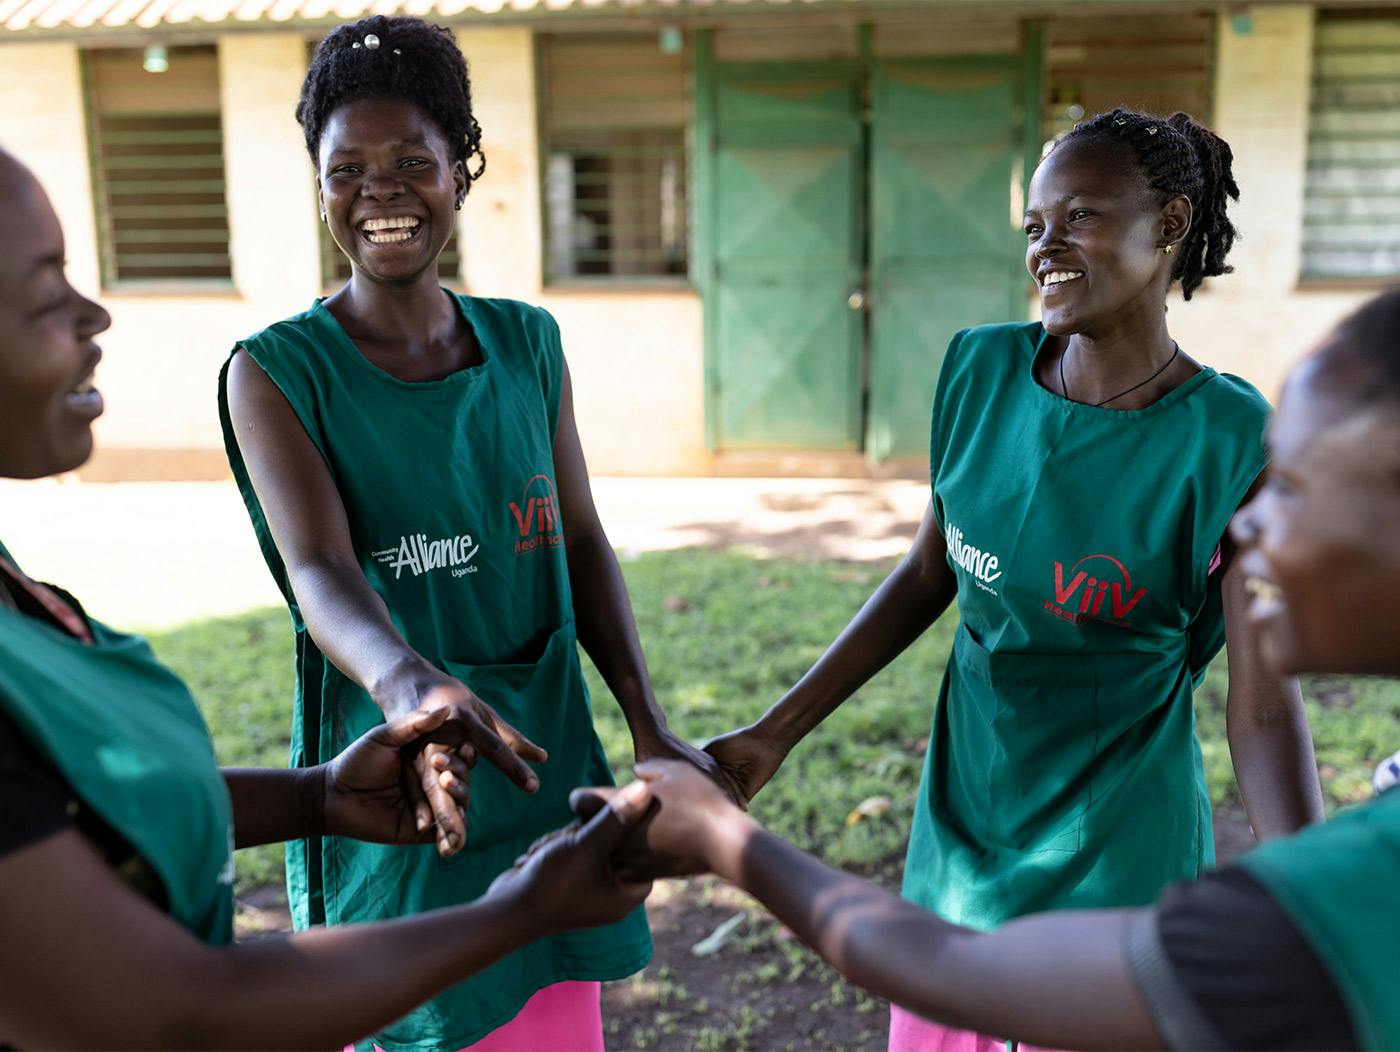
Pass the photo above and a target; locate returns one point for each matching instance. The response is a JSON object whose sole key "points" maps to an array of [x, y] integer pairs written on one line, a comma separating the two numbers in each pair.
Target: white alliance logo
{"points": [[983, 566], [415, 552]]}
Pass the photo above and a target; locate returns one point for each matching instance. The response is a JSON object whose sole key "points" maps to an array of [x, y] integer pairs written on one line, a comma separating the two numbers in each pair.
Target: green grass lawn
{"points": [[725, 634]]}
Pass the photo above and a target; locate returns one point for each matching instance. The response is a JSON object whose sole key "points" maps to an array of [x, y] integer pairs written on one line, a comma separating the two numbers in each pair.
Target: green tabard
{"points": [[448, 487], [1063, 768], [1340, 884], [123, 731]]}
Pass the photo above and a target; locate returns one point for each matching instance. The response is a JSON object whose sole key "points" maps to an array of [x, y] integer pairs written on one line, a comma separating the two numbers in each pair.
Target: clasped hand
{"points": [[682, 829], [673, 820], [410, 780], [374, 789], [568, 879], [435, 805]]}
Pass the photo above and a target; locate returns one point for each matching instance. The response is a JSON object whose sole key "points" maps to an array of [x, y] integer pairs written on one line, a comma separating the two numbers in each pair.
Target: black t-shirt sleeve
{"points": [[1221, 966], [34, 799]]}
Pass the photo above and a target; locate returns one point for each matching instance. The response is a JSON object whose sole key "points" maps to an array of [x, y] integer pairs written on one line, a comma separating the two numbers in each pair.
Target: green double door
{"points": [[851, 240]]}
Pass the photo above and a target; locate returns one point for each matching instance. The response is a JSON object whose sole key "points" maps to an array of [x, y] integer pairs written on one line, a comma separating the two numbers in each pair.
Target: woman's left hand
{"points": [[368, 786], [666, 745]]}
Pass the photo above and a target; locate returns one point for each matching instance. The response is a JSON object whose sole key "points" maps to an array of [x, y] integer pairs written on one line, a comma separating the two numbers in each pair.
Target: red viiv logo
{"points": [[537, 516], [1092, 592]]}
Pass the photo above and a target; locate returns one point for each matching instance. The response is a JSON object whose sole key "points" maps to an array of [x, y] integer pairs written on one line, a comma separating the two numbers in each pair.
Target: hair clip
{"points": [[1152, 130], [1119, 122], [397, 51]]}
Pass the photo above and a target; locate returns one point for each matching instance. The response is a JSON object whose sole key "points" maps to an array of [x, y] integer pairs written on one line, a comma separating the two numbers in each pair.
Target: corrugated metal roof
{"points": [[85, 18], [58, 16]]}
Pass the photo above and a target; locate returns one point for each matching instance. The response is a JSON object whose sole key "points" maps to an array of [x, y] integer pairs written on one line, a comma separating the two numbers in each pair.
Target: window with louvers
{"points": [[615, 112], [1351, 218], [157, 149], [1150, 63]]}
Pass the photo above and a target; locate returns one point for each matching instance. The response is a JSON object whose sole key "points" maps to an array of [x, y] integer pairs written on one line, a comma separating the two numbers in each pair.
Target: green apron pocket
{"points": [[547, 702], [1021, 733]]}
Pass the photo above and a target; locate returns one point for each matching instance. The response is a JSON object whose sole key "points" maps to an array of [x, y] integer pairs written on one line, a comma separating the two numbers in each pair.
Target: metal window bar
{"points": [[1351, 213], [614, 119]]}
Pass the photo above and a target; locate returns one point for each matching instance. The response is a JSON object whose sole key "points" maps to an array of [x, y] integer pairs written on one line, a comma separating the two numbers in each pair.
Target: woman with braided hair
{"points": [[1291, 946], [411, 466], [1084, 469]]}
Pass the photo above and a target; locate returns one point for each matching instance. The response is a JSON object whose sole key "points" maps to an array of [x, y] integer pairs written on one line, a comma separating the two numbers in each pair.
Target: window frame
{"points": [[109, 268], [1054, 125], [684, 281], [1320, 281]]}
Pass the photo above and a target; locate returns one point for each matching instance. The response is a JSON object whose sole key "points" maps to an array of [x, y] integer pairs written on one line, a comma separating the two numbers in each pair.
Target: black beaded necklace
{"points": [[1064, 391]]}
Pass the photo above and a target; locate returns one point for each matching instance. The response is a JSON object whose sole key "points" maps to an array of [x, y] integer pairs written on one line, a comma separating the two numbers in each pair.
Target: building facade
{"points": [[758, 224]]}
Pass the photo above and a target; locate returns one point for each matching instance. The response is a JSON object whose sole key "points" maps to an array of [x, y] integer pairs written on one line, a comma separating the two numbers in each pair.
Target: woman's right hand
{"points": [[747, 760], [684, 829], [492, 739], [567, 879]]}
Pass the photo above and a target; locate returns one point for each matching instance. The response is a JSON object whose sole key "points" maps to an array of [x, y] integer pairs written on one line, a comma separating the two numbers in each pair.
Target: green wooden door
{"points": [[788, 175], [945, 250]]}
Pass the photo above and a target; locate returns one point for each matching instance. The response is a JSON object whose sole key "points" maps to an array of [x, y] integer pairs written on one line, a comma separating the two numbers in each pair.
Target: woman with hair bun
{"points": [[1084, 469], [117, 830], [410, 462]]}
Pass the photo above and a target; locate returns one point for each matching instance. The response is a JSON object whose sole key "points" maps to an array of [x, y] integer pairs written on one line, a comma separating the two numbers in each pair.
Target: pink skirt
{"points": [[912, 1033], [565, 1017]]}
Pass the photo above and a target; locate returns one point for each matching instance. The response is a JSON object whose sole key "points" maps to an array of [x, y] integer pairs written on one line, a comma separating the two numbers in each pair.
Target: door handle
{"points": [[856, 299]]}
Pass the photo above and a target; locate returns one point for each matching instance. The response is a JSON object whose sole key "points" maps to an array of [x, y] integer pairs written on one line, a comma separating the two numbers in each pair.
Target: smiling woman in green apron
{"points": [[1084, 470], [1297, 944], [116, 827], [411, 465]]}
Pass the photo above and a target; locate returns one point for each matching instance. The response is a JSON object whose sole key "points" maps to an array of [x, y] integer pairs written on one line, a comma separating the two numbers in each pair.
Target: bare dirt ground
{"points": [[754, 987]]}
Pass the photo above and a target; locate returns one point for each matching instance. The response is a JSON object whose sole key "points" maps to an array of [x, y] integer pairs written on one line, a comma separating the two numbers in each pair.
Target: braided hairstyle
{"points": [[1178, 157], [415, 61]]}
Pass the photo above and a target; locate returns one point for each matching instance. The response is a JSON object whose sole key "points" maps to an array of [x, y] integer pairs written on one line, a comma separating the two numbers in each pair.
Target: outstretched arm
{"points": [[104, 969], [364, 793], [345, 616], [910, 599], [1060, 980], [606, 626]]}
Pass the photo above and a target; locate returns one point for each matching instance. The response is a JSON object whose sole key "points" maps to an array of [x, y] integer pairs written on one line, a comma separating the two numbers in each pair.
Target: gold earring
{"points": [[1167, 249]]}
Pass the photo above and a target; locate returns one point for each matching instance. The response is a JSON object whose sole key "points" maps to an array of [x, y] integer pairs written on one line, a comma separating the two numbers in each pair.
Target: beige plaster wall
{"points": [[636, 356], [43, 125], [500, 228], [637, 364], [1256, 321], [164, 349], [273, 216]]}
